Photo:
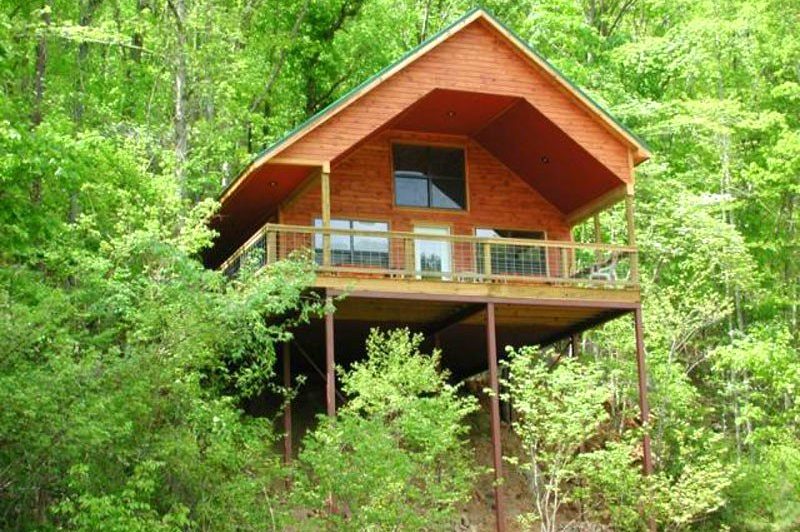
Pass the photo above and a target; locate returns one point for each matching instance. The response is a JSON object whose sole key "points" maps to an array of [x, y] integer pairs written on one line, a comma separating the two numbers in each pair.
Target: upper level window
{"points": [[429, 176]]}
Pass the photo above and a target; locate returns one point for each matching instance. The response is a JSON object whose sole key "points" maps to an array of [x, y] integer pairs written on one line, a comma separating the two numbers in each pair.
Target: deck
{"points": [[543, 290]]}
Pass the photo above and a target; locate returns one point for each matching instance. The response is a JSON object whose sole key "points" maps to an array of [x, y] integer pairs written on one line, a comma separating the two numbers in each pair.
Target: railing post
{"points": [[564, 264], [408, 248], [487, 260], [272, 247], [632, 238], [326, 217]]}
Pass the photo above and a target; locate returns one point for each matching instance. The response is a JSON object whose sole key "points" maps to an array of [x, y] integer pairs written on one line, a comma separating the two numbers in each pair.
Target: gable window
{"points": [[355, 250], [513, 259], [429, 176]]}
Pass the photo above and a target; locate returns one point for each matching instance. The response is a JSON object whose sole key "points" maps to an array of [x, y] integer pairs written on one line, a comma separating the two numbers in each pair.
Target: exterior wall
{"points": [[362, 188], [477, 59]]}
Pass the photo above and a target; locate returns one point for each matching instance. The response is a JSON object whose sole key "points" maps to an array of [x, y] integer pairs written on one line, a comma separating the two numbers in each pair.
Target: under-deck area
{"points": [[457, 323]]}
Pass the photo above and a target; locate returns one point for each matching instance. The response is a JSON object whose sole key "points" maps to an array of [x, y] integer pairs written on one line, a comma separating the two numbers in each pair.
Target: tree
{"points": [[395, 456], [559, 408]]}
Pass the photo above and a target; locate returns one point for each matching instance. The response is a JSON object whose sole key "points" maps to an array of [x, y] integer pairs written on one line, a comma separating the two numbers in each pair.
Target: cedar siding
{"points": [[362, 188]]}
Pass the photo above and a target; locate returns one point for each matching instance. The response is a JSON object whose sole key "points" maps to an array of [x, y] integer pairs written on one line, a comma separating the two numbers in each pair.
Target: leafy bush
{"points": [[396, 455], [559, 408]]}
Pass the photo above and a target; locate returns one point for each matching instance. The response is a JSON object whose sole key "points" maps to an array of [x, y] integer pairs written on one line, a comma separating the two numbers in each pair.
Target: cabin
{"points": [[442, 194]]}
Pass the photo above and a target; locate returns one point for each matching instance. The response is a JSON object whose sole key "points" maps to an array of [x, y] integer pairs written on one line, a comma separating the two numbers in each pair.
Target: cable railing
{"points": [[455, 258]]}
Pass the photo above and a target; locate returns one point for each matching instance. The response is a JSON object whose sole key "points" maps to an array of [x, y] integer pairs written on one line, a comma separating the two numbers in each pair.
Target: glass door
{"points": [[433, 257]]}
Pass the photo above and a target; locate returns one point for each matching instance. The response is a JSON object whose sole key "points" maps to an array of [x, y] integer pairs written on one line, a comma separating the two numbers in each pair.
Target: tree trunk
{"points": [[181, 121], [38, 93]]}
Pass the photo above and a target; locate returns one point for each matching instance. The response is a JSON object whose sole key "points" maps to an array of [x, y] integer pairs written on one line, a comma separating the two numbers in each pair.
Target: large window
{"points": [[513, 259], [355, 250], [429, 176]]}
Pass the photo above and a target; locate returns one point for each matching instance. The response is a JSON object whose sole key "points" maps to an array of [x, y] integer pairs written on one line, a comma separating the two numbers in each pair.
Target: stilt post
{"points": [[330, 374], [491, 348], [644, 407], [287, 409]]}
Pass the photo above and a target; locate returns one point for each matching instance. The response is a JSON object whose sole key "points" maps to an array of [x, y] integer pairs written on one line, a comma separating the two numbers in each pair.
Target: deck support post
{"points": [[330, 374], [325, 182], [575, 344], [644, 406], [494, 404], [287, 408]]}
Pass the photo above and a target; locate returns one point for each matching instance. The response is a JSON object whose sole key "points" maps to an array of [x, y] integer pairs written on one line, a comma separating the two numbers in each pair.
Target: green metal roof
{"points": [[346, 96]]}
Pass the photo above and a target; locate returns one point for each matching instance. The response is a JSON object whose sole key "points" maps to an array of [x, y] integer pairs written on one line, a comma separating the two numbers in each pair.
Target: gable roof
{"points": [[642, 151]]}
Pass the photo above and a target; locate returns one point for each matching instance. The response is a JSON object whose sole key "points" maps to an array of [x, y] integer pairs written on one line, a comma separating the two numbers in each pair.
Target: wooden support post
{"points": [[598, 239], [597, 233], [330, 374], [287, 409], [644, 407], [326, 217], [494, 404], [575, 344], [632, 237]]}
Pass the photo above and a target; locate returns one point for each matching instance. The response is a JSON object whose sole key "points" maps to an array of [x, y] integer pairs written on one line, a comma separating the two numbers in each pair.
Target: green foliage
{"points": [[120, 380], [396, 455], [559, 408], [123, 362]]}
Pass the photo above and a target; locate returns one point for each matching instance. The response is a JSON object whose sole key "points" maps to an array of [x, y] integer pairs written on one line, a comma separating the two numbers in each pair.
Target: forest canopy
{"points": [[124, 363]]}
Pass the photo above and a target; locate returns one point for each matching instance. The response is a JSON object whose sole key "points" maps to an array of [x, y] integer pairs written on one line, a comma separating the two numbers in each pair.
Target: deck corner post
{"points": [[494, 404], [644, 406], [330, 373], [629, 207], [325, 183], [287, 409]]}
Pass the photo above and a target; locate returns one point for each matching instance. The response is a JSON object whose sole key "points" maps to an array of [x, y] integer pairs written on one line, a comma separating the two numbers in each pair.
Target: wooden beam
{"points": [[453, 319], [644, 406], [494, 404], [581, 327], [330, 370], [617, 299], [600, 203], [315, 367]]}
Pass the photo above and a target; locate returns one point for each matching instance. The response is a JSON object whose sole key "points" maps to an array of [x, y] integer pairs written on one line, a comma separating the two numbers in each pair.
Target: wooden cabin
{"points": [[442, 194]]}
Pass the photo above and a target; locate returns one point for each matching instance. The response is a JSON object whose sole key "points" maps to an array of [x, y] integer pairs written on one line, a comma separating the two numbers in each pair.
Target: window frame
{"points": [[461, 145], [352, 248], [545, 250]]}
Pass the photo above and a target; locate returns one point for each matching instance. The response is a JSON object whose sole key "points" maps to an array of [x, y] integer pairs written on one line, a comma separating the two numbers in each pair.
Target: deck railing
{"points": [[460, 258]]}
